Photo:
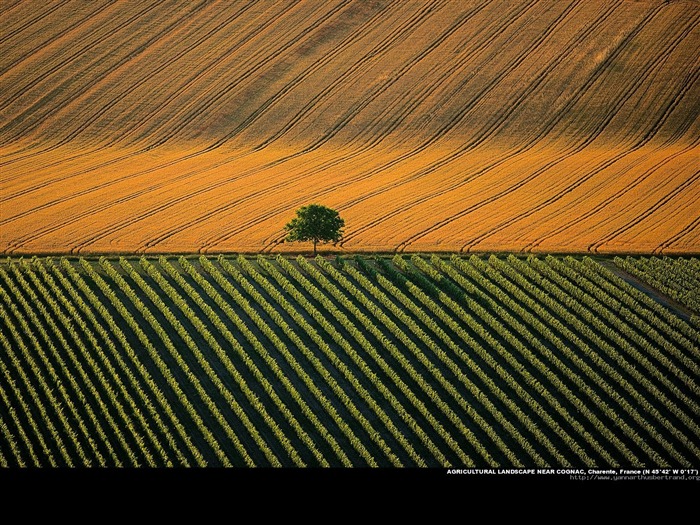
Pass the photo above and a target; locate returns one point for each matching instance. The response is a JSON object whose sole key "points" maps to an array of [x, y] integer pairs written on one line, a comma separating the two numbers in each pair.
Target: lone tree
{"points": [[315, 223]]}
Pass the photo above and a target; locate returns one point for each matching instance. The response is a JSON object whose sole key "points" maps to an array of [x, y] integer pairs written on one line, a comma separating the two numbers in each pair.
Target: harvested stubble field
{"points": [[444, 125]]}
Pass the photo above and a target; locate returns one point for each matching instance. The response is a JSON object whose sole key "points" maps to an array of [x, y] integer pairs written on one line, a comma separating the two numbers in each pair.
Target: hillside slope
{"points": [[163, 126]]}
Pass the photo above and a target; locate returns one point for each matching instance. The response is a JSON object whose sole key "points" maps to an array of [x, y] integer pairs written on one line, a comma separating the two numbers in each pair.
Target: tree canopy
{"points": [[316, 223]]}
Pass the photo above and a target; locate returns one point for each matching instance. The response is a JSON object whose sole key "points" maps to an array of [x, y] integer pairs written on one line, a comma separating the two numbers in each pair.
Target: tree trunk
{"points": [[315, 241]]}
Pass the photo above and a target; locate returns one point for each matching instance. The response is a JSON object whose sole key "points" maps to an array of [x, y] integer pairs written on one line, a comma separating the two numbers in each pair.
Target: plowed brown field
{"points": [[443, 125]]}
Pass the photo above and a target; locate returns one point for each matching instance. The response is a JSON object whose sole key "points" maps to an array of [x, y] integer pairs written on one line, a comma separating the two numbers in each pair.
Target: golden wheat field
{"points": [[430, 125]]}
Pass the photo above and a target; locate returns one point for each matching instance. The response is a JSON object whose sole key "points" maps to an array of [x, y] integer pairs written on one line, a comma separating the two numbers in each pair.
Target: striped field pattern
{"points": [[165, 126], [678, 278], [414, 361]]}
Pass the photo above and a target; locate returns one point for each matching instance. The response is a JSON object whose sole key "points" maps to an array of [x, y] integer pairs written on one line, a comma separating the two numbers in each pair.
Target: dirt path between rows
{"points": [[677, 308]]}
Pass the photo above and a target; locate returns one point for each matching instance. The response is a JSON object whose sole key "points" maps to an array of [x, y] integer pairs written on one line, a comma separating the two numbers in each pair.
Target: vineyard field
{"points": [[167, 127], [349, 361]]}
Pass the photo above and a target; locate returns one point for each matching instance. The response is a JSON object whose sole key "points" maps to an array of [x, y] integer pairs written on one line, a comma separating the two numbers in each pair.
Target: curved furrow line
{"points": [[126, 133], [246, 73], [440, 39], [556, 119], [249, 224], [379, 89], [317, 144], [649, 210], [481, 138], [287, 158], [621, 100], [27, 54], [12, 148], [595, 246], [98, 112], [371, 144], [35, 148], [692, 117], [394, 37], [171, 122], [689, 82], [391, 116], [677, 237], [74, 55], [391, 40], [485, 134], [649, 135], [47, 229], [132, 219], [80, 90], [216, 93], [84, 171], [469, 105], [280, 207], [567, 154], [42, 184], [147, 127], [414, 98], [328, 164], [377, 134], [547, 202], [11, 33], [9, 6], [279, 161], [610, 199]]}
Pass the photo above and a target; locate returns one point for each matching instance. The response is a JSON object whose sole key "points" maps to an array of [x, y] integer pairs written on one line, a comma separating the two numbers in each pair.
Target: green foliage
{"points": [[315, 223], [411, 361]]}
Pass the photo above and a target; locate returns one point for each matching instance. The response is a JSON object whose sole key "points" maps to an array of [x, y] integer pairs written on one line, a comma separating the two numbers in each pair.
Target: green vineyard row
{"points": [[417, 361], [678, 278]]}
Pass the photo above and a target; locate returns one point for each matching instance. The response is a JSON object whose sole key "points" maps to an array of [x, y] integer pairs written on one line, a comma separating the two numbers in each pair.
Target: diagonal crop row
{"points": [[396, 354], [593, 318], [51, 370], [155, 354], [9, 437], [34, 427], [513, 298], [524, 270], [195, 379], [664, 275], [227, 308], [516, 270], [219, 324], [614, 312], [27, 386], [352, 329], [368, 305], [448, 320], [323, 346], [99, 306], [97, 368], [328, 327], [206, 365], [84, 356], [652, 313], [330, 330], [82, 314], [505, 325], [282, 348], [653, 306]]}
